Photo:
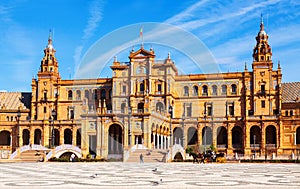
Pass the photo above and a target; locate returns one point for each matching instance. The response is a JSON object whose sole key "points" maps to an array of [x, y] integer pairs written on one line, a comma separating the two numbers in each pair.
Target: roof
{"points": [[291, 92], [13, 100]]}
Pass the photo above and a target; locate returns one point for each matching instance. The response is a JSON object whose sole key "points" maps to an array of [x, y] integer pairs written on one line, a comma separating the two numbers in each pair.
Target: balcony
{"points": [[237, 146], [255, 146]]}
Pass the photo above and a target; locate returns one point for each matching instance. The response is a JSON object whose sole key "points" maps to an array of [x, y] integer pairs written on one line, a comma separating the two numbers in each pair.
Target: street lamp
{"points": [[129, 125], [254, 137], [183, 133], [53, 113], [171, 115], [18, 123]]}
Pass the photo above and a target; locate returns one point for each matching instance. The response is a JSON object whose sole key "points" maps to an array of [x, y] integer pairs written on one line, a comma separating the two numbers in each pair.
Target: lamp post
{"points": [[254, 137], [129, 125], [18, 124], [204, 132], [53, 113], [171, 115], [183, 132]]}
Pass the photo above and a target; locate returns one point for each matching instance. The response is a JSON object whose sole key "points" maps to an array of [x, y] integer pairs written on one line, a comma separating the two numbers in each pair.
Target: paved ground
{"points": [[133, 175]]}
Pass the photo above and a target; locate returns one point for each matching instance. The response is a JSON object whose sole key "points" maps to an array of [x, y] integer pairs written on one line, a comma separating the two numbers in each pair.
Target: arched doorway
{"points": [[192, 136], [5, 138], [237, 137], [255, 132], [178, 134], [37, 136], [26, 137], [115, 139], [271, 136], [78, 137], [206, 136], [221, 137], [67, 136], [298, 135]]}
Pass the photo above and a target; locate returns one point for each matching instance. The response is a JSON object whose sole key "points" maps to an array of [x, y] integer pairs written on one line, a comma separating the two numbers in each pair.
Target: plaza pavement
{"points": [[135, 175]]}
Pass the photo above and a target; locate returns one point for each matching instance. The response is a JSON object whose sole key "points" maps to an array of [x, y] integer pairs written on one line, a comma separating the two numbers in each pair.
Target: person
{"points": [[72, 158], [141, 158]]}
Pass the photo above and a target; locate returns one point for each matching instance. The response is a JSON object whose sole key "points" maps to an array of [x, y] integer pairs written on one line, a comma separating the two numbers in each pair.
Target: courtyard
{"points": [[149, 175]]}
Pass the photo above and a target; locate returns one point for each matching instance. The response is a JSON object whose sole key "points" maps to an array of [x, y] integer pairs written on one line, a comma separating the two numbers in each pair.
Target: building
{"points": [[147, 104]]}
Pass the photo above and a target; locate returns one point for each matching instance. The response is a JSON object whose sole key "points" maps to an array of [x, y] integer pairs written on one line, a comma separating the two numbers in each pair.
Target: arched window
{"points": [[186, 91], [95, 94], [70, 95], [233, 89], [78, 95], [110, 93], [86, 94], [204, 91], [195, 90], [214, 90], [224, 90]]}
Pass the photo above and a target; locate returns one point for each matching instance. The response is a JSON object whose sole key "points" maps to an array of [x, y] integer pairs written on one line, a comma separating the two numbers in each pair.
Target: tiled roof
{"points": [[290, 92], [12, 100]]}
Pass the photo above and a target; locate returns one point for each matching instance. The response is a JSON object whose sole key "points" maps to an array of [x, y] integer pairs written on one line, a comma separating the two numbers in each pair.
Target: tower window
{"points": [[224, 89], [195, 90], [70, 95], [233, 89], [159, 88], [45, 109], [263, 89], [214, 90], [263, 104]]}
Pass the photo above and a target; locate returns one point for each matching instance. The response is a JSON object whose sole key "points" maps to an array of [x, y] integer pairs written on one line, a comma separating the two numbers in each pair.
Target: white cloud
{"points": [[95, 17]]}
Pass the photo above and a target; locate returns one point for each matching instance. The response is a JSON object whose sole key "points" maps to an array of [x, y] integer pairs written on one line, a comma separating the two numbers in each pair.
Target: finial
{"points": [[132, 50], [115, 59], [279, 65], [246, 68], [261, 19], [169, 55]]}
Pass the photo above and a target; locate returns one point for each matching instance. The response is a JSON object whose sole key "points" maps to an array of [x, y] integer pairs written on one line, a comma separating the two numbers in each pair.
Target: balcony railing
{"points": [[237, 145], [270, 145], [256, 146], [221, 146]]}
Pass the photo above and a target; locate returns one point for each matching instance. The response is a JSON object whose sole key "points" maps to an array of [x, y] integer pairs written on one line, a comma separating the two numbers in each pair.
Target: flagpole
{"points": [[141, 35]]}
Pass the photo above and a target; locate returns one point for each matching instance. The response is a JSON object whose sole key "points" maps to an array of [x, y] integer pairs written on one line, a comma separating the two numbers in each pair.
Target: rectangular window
{"points": [[263, 104], [124, 89], [189, 110], [231, 109], [209, 110], [45, 109], [159, 88], [263, 89]]}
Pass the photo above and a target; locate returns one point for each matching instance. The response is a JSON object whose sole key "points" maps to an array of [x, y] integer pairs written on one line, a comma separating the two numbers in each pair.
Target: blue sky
{"points": [[227, 29]]}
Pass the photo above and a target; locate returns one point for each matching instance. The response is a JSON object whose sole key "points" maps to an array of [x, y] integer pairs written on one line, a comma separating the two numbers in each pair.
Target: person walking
{"points": [[141, 158]]}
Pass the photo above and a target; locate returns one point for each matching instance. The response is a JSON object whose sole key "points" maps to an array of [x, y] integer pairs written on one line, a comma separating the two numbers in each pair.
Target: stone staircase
{"points": [[31, 156], [153, 156]]}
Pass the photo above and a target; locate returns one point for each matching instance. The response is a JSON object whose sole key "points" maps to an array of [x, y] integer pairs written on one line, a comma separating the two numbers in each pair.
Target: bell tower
{"points": [[45, 89], [265, 80]]}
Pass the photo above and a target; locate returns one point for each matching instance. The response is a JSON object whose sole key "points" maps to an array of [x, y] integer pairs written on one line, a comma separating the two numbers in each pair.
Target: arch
{"points": [[185, 91], [224, 89], [26, 137], [78, 137], [67, 136], [195, 90], [207, 136], [159, 107], [78, 95], [271, 135], [222, 136], [214, 90], [5, 139], [70, 95], [37, 136], [115, 139], [86, 94], [192, 136], [255, 131], [298, 135], [204, 90], [233, 89], [178, 157], [237, 136], [178, 134]]}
